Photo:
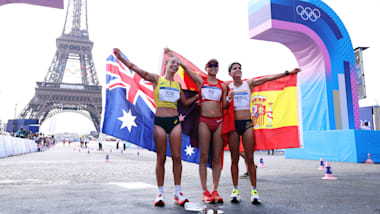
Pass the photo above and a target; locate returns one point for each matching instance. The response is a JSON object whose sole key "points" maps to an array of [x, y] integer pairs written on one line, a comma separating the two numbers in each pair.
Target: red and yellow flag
{"points": [[181, 76], [274, 114]]}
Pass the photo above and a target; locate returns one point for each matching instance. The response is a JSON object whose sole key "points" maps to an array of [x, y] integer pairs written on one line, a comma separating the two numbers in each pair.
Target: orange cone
{"points": [[369, 160], [328, 174]]}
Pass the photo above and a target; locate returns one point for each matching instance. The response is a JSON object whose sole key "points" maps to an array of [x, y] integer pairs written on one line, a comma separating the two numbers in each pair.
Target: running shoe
{"points": [[255, 199], [217, 198], [160, 201], [207, 197], [245, 175], [235, 196], [180, 199]]}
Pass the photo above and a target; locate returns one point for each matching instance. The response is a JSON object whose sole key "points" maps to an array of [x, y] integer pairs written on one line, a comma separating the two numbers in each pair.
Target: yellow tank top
{"points": [[166, 93]]}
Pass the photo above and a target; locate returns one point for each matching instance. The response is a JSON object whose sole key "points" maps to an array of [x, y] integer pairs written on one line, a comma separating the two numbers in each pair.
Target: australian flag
{"points": [[129, 110]]}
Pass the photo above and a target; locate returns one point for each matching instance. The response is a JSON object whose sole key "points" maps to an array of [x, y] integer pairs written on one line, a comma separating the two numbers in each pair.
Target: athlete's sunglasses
{"points": [[210, 65]]}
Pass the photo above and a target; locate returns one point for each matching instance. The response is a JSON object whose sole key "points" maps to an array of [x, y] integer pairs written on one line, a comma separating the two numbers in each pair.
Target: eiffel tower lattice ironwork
{"points": [[52, 96]]}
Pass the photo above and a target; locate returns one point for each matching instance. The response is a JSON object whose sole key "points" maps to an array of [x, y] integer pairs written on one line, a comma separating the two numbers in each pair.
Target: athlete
{"points": [[212, 100], [240, 93], [166, 94]]}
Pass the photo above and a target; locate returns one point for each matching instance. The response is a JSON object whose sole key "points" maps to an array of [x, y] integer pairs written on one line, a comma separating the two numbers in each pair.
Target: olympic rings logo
{"points": [[307, 13]]}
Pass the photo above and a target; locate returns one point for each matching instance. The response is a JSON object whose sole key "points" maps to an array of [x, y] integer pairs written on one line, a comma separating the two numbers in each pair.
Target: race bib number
{"points": [[241, 98], [211, 93], [168, 94]]}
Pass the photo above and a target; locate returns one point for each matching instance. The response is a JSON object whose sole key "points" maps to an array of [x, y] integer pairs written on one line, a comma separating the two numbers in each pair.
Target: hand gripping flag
{"points": [[129, 110]]}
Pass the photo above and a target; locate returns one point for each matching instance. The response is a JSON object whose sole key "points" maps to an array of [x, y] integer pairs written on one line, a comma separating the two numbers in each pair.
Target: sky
{"points": [[197, 29]]}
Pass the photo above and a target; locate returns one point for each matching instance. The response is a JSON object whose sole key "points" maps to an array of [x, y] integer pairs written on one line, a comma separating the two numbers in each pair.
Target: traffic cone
{"points": [[88, 152], [261, 164], [107, 157], [110, 150], [369, 160], [121, 152], [138, 153], [328, 174], [321, 165]]}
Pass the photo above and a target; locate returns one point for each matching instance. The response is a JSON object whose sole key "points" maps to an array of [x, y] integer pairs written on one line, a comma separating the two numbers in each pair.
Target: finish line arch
{"points": [[329, 100]]}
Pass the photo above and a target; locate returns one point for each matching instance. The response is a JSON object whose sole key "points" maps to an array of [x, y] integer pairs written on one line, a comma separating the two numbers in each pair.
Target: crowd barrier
{"points": [[10, 146]]}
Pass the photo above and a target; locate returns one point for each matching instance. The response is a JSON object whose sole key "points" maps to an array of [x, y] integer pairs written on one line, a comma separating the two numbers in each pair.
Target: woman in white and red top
{"points": [[241, 94], [212, 96]]}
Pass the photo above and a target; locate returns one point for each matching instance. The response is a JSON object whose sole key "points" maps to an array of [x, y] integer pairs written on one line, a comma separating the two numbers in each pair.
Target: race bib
{"points": [[211, 93], [168, 94], [241, 98]]}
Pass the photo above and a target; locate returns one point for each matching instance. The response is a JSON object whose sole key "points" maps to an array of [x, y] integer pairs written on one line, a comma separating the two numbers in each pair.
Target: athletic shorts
{"points": [[167, 123], [211, 122], [242, 125]]}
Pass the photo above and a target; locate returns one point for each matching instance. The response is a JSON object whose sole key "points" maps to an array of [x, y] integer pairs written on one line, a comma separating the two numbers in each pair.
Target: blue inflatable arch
{"points": [[323, 49]]}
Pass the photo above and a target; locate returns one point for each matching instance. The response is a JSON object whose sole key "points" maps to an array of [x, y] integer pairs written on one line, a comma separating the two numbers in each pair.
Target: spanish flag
{"points": [[274, 114]]}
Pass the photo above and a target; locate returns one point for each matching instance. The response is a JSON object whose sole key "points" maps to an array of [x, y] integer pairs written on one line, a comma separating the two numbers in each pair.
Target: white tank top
{"points": [[242, 96]]}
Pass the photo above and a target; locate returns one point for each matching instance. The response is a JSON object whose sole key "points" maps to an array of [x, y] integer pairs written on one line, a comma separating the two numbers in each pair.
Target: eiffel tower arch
{"points": [[73, 56]]}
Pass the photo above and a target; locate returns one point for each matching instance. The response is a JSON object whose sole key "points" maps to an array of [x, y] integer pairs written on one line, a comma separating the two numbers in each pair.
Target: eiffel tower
{"points": [[52, 96]]}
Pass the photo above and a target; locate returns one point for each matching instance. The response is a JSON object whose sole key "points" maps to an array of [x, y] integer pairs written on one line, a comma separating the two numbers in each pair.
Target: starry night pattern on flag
{"points": [[129, 110]]}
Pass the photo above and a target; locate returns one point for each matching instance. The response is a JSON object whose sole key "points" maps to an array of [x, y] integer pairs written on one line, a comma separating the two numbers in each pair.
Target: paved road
{"points": [[64, 180]]}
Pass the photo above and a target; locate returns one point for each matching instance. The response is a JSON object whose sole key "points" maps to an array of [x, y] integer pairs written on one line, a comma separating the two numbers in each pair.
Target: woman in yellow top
{"points": [[166, 94]]}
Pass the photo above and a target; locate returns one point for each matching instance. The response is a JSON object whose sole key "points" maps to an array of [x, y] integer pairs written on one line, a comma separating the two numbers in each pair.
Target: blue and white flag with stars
{"points": [[129, 110]]}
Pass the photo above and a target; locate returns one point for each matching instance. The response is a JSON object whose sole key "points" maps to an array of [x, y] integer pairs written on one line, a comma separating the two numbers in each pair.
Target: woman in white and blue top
{"points": [[241, 94]]}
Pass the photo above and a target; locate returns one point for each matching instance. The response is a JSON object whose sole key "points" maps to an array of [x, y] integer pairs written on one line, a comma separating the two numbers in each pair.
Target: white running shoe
{"points": [[180, 199], [235, 196], [255, 199], [160, 201]]}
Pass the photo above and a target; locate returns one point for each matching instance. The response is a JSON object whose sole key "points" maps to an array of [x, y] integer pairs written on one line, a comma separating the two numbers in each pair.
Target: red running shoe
{"points": [[217, 198], [207, 197]]}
